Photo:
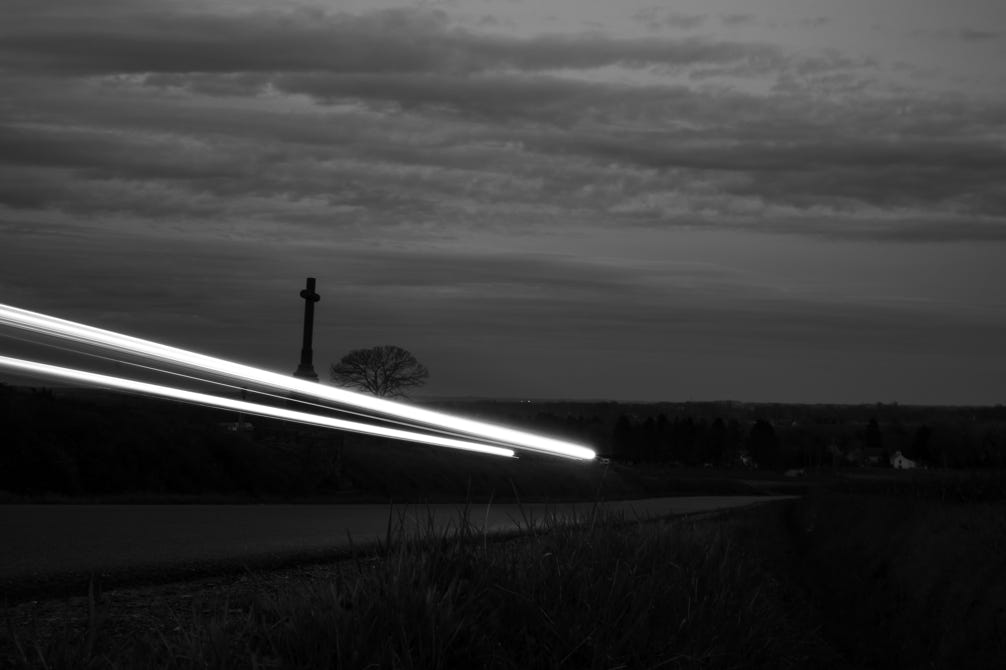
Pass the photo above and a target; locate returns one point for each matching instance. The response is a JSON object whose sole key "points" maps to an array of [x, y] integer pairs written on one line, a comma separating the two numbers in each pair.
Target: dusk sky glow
{"points": [[764, 200]]}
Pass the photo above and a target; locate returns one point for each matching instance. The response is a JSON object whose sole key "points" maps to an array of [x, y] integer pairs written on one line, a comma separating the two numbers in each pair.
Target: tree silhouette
{"points": [[873, 437], [763, 444], [381, 371]]}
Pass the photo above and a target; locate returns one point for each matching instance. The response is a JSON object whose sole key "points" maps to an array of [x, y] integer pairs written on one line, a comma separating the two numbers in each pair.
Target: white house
{"points": [[899, 462]]}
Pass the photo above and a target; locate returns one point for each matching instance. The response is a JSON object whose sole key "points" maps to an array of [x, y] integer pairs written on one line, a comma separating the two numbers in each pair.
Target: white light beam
{"points": [[238, 387], [106, 381], [41, 323]]}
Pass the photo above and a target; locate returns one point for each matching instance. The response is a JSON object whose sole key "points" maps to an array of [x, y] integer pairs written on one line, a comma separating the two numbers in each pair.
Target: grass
{"points": [[906, 581], [943, 486], [908, 575], [607, 594]]}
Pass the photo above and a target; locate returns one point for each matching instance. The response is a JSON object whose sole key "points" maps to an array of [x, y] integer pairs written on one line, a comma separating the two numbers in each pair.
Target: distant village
{"points": [[771, 436]]}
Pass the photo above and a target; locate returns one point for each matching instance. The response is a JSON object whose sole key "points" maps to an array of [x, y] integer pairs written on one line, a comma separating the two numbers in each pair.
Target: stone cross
{"points": [[306, 368]]}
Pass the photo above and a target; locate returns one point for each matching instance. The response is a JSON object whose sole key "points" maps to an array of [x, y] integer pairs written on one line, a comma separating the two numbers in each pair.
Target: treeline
{"points": [[93, 445], [100, 445], [108, 444], [727, 435]]}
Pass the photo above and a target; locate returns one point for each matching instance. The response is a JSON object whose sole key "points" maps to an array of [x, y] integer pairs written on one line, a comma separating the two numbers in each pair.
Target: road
{"points": [[45, 544]]}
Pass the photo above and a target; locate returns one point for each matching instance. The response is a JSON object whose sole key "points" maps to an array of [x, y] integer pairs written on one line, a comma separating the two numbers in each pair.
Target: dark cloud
{"points": [[390, 41], [974, 35], [906, 177], [816, 22], [965, 34], [376, 168], [106, 154], [165, 42], [808, 162], [735, 20], [657, 18], [496, 97], [454, 123]]}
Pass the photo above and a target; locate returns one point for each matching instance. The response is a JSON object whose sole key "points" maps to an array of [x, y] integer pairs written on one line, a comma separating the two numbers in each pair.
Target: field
{"points": [[905, 582], [612, 594], [833, 580], [871, 567]]}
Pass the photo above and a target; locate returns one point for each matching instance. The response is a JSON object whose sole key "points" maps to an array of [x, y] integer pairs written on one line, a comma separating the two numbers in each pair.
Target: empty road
{"points": [[46, 544]]}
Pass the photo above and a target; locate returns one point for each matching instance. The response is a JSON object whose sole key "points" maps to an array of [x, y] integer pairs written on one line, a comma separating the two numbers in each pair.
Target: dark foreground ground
{"points": [[57, 549], [832, 580]]}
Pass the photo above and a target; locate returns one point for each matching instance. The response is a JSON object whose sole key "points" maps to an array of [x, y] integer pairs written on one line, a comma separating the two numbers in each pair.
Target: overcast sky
{"points": [[771, 200]]}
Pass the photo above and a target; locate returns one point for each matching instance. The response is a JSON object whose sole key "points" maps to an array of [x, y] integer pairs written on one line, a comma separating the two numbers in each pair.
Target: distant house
{"points": [[899, 462]]}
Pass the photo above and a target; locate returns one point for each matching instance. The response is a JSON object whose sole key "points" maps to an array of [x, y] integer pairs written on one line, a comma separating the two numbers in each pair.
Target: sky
{"points": [[757, 200]]}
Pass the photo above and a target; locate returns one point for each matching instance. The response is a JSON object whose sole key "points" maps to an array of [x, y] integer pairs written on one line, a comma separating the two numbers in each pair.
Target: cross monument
{"points": [[306, 368]]}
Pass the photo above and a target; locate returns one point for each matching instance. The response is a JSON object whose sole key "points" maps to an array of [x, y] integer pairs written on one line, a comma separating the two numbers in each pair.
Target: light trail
{"points": [[237, 387], [52, 326], [107, 381]]}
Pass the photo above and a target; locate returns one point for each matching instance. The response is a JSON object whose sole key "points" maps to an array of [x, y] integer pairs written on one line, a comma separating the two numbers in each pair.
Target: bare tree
{"points": [[381, 371]]}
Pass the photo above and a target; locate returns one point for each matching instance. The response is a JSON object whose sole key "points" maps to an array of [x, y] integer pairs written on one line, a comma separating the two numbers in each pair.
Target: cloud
{"points": [[840, 185], [493, 97], [658, 18], [966, 34], [736, 20], [816, 22], [477, 149], [974, 35], [448, 129], [104, 153], [161, 42], [390, 41]]}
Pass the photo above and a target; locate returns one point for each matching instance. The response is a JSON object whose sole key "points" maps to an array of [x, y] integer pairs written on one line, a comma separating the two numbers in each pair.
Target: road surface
{"points": [[52, 544]]}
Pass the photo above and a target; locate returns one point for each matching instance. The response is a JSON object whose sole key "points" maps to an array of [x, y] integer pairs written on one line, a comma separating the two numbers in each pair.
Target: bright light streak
{"points": [[48, 325], [242, 406], [238, 387]]}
